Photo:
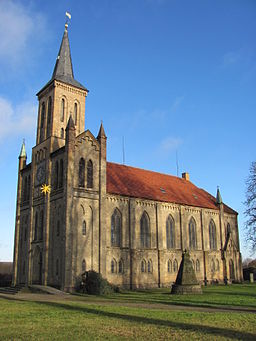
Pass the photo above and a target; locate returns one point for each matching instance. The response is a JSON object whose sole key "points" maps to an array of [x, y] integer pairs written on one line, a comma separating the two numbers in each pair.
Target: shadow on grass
{"points": [[206, 330]]}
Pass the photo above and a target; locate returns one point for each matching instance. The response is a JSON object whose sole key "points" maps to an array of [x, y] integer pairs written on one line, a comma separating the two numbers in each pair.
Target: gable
{"points": [[89, 137]]}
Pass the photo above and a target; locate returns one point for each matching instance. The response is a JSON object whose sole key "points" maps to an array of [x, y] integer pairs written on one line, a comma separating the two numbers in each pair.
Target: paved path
{"points": [[105, 302]]}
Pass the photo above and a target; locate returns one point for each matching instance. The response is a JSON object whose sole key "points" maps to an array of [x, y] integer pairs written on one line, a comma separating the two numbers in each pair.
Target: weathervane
{"points": [[68, 17]]}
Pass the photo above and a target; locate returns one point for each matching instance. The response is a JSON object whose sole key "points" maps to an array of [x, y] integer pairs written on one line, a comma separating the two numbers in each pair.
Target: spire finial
{"points": [[23, 150], [68, 17], [218, 196]]}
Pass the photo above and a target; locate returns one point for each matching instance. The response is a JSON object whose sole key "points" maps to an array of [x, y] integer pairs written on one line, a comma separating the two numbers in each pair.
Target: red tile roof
{"points": [[141, 183]]}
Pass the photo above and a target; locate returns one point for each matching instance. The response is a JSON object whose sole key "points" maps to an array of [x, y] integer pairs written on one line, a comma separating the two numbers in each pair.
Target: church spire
{"points": [[63, 70]]}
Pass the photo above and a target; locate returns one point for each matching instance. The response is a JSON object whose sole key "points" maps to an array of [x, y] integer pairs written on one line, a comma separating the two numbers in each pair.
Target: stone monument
{"points": [[186, 282]]}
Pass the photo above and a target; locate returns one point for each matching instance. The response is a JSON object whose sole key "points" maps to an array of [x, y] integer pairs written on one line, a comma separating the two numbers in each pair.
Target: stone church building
{"points": [[129, 224]]}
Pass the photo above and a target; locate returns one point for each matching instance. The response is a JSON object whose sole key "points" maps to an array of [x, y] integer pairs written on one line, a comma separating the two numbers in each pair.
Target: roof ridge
{"points": [[150, 171]]}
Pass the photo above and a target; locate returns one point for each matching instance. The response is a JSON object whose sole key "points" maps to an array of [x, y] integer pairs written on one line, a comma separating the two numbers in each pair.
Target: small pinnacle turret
{"points": [[101, 133], [23, 150], [218, 197]]}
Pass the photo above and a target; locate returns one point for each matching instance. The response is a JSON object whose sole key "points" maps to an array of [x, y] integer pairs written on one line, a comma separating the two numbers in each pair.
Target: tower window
{"points": [[75, 113], [62, 110], [49, 113], [89, 174], [81, 175]]}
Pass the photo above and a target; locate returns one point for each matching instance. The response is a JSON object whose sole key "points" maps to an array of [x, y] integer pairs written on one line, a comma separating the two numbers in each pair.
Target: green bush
{"points": [[95, 284]]}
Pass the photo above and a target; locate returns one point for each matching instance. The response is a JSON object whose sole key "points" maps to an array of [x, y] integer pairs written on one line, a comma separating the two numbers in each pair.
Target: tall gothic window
{"points": [[170, 233], [175, 265], [192, 233], [61, 174], [116, 228], [42, 122], [212, 235], [89, 174], [120, 266], [113, 266], [25, 189], [36, 226], [144, 231], [41, 224], [56, 182], [49, 115], [62, 133], [169, 266], [81, 175], [143, 265], [75, 113], [228, 230], [84, 228], [150, 266], [62, 110]]}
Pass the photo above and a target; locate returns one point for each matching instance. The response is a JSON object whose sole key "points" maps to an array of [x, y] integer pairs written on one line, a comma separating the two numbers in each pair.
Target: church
{"points": [[129, 224]]}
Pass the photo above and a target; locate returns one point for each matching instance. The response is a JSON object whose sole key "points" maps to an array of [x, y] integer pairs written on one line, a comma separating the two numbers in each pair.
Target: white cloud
{"points": [[19, 29], [170, 143], [17, 120]]}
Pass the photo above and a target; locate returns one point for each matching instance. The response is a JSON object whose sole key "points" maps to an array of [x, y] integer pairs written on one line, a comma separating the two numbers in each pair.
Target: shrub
{"points": [[95, 284]]}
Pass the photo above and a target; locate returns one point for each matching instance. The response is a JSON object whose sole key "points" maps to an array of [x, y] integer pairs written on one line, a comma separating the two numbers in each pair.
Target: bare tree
{"points": [[250, 203]]}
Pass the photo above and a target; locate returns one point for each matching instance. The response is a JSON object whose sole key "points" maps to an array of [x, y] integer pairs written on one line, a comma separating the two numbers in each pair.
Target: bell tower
{"points": [[61, 97]]}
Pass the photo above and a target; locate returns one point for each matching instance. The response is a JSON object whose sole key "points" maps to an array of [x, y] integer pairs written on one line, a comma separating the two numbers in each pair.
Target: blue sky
{"points": [[168, 75]]}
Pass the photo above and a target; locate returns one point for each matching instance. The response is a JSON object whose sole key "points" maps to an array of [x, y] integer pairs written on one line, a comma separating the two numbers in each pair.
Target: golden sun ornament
{"points": [[45, 189]]}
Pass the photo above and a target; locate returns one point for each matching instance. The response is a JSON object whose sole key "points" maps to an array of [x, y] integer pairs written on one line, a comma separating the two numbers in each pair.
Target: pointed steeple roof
{"points": [[218, 197], [101, 132], [63, 70], [23, 150]]}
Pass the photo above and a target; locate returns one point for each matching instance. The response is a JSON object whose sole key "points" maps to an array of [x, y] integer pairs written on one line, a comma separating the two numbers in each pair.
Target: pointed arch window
{"points": [[84, 228], [89, 174], [212, 235], [120, 266], [62, 110], [75, 113], [144, 231], [61, 174], [41, 224], [228, 230], [150, 267], [169, 266], [42, 122], [113, 266], [170, 233], [193, 263], [175, 265], [192, 233], [56, 182], [62, 133], [83, 265], [36, 226], [81, 175], [49, 116], [197, 265], [143, 265], [116, 228]]}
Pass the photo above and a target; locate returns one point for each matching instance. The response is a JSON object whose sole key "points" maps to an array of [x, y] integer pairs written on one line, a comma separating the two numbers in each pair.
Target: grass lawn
{"points": [[147, 315]]}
